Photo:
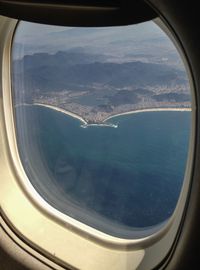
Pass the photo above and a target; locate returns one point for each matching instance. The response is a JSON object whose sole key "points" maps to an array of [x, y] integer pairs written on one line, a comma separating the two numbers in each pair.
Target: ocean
{"points": [[116, 180]]}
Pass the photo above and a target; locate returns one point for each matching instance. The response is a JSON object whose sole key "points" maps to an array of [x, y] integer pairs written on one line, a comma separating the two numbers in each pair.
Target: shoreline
{"points": [[110, 117], [62, 111], [149, 110]]}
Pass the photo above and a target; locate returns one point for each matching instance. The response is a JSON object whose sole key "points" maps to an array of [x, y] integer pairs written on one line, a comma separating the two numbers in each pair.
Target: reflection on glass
{"points": [[103, 122]]}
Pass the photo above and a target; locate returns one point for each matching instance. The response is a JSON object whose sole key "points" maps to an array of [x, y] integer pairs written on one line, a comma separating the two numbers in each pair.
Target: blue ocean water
{"points": [[129, 177]]}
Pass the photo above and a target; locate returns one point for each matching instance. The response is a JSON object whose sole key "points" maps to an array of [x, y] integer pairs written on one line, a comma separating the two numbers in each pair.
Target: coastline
{"points": [[110, 117], [149, 110], [62, 111]]}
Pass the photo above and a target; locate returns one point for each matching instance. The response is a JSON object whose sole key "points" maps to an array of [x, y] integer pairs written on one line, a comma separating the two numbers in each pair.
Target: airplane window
{"points": [[103, 120]]}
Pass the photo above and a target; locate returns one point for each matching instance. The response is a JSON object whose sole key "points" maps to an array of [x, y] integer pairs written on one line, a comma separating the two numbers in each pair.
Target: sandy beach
{"points": [[149, 110], [62, 111], [110, 117]]}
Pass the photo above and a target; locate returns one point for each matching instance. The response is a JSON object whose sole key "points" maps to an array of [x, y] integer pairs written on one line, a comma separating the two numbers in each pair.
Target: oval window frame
{"points": [[140, 248]]}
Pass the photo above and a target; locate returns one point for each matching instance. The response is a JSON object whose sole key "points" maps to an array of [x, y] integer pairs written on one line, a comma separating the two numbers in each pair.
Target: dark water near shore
{"points": [[131, 175]]}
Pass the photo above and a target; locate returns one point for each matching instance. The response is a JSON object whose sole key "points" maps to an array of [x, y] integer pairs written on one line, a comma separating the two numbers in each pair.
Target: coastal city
{"points": [[111, 72], [164, 97]]}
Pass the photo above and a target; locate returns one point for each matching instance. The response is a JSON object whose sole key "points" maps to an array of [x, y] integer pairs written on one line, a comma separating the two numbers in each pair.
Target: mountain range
{"points": [[73, 71]]}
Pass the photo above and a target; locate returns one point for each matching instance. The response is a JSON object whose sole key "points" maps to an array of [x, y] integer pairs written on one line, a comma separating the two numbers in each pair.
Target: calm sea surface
{"points": [[129, 176]]}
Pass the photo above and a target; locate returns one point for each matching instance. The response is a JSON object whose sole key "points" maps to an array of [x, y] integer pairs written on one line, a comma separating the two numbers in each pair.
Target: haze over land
{"points": [[99, 72]]}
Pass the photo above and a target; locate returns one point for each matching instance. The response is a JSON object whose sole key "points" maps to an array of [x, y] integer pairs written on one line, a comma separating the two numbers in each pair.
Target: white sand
{"points": [[149, 110], [62, 111], [112, 116]]}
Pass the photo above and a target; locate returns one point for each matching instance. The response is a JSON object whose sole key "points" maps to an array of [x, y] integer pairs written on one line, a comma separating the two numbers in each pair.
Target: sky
{"points": [[120, 41]]}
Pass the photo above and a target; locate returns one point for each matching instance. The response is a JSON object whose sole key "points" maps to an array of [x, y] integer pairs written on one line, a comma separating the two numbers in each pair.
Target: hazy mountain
{"points": [[72, 70], [144, 42], [71, 57], [172, 97]]}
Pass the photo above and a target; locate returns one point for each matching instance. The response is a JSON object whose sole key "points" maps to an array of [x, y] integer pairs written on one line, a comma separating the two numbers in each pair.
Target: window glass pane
{"points": [[103, 120]]}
